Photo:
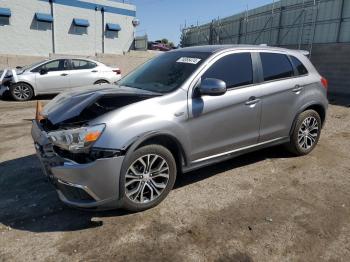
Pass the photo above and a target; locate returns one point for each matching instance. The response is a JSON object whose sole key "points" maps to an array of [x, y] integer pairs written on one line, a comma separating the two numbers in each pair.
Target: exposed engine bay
{"points": [[67, 110]]}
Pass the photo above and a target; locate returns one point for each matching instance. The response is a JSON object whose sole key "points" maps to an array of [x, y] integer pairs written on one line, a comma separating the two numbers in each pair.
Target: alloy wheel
{"points": [[308, 133], [146, 178], [22, 92]]}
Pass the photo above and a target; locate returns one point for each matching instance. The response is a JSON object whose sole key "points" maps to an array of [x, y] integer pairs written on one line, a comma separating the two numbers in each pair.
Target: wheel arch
{"points": [[319, 108], [102, 79], [155, 138], [167, 140], [27, 83]]}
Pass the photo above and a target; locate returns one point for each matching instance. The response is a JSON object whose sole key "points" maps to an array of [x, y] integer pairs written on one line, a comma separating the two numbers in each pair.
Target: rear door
{"points": [[224, 123], [281, 88], [52, 77], [83, 72]]}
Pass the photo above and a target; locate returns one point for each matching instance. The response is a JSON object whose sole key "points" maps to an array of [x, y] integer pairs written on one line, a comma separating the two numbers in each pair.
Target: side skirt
{"points": [[199, 163]]}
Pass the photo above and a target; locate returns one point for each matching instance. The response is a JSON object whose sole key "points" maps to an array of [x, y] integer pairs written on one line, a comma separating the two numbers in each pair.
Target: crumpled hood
{"points": [[69, 105]]}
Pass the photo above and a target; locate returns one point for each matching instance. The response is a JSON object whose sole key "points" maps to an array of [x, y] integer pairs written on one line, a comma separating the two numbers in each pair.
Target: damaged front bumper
{"points": [[88, 185]]}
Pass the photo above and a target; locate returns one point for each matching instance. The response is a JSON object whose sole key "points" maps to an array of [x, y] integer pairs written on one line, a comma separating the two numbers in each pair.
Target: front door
{"points": [[52, 77], [224, 123]]}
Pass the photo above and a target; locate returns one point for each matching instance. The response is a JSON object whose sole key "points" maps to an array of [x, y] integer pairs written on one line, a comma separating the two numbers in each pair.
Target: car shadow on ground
{"points": [[29, 202]]}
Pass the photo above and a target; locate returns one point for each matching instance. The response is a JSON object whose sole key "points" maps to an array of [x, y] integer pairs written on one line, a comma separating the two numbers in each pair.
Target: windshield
{"points": [[165, 73], [23, 68]]}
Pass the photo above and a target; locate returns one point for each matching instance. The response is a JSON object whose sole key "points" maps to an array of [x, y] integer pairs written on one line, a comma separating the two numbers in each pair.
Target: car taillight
{"points": [[324, 82], [117, 71]]}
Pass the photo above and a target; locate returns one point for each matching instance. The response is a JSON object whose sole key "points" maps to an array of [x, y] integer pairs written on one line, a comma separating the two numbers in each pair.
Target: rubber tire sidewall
{"points": [[293, 145], [12, 87], [148, 149]]}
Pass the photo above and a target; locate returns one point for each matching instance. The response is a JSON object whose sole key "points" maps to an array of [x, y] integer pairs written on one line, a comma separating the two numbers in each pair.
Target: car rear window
{"points": [[235, 70], [276, 66], [298, 65]]}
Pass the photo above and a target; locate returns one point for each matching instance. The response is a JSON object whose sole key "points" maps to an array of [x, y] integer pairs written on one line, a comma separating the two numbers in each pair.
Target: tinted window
{"points": [[82, 64], [56, 65], [235, 70], [4, 20], [165, 72], [276, 66], [80, 30], [300, 68]]}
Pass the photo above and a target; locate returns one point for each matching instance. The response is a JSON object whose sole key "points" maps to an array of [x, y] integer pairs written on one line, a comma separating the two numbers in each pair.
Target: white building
{"points": [[74, 27]]}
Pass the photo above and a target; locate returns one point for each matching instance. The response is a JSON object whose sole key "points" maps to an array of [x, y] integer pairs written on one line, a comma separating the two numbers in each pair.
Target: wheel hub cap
{"points": [[21, 92], [308, 133], [146, 178]]}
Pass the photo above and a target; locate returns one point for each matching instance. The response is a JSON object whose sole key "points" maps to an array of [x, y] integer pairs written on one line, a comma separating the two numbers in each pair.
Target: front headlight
{"points": [[78, 139]]}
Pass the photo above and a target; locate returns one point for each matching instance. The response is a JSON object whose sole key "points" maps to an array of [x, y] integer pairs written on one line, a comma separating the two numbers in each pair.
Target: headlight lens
{"points": [[78, 139]]}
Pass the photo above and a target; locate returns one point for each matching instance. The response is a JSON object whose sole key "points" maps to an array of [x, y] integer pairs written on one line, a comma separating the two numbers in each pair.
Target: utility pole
{"points": [[53, 27]]}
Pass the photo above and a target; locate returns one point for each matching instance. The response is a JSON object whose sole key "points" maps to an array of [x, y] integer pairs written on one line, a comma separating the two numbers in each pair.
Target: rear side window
{"points": [[82, 64], [298, 65], [235, 70], [276, 66]]}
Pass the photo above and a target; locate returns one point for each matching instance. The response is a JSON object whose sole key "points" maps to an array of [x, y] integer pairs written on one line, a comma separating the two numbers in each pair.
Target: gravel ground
{"points": [[264, 206]]}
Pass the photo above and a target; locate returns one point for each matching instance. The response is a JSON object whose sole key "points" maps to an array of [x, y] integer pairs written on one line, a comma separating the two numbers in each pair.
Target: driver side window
{"points": [[56, 65], [235, 70], [52, 66]]}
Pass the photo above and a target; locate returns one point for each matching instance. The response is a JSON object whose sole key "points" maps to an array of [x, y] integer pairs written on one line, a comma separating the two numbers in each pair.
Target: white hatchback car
{"points": [[57, 75]]}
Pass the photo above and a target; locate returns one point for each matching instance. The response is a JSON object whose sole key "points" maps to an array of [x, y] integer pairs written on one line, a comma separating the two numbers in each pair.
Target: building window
{"points": [[112, 30], [80, 26], [5, 14], [42, 22]]}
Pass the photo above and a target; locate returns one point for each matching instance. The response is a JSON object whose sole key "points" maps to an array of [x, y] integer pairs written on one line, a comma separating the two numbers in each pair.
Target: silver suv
{"points": [[123, 147]]}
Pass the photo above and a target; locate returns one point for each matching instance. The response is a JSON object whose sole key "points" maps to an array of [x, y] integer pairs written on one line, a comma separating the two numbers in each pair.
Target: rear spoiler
{"points": [[304, 52]]}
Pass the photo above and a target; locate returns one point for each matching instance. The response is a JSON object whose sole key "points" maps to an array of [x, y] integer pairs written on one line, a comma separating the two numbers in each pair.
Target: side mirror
{"points": [[43, 71], [212, 87]]}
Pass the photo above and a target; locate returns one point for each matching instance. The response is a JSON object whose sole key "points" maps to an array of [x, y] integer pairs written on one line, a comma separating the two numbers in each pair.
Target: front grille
{"points": [[80, 158], [73, 193], [47, 125]]}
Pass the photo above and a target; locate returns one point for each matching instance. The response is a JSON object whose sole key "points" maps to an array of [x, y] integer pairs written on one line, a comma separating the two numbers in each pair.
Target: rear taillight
{"points": [[324, 82], [117, 71]]}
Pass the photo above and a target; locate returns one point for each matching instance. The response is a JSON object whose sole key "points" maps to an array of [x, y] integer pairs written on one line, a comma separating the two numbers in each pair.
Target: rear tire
{"points": [[147, 177], [305, 134], [21, 92]]}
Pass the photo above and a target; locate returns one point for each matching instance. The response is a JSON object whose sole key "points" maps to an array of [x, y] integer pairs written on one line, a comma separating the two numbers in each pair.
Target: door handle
{"points": [[297, 89], [252, 101], [64, 74], [94, 71]]}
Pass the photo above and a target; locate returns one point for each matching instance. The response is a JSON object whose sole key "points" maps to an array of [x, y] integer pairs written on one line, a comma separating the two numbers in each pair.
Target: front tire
{"points": [[21, 92], [147, 177], [306, 133]]}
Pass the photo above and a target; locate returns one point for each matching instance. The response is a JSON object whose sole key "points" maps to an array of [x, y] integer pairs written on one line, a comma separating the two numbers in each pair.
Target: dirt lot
{"points": [[265, 206]]}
